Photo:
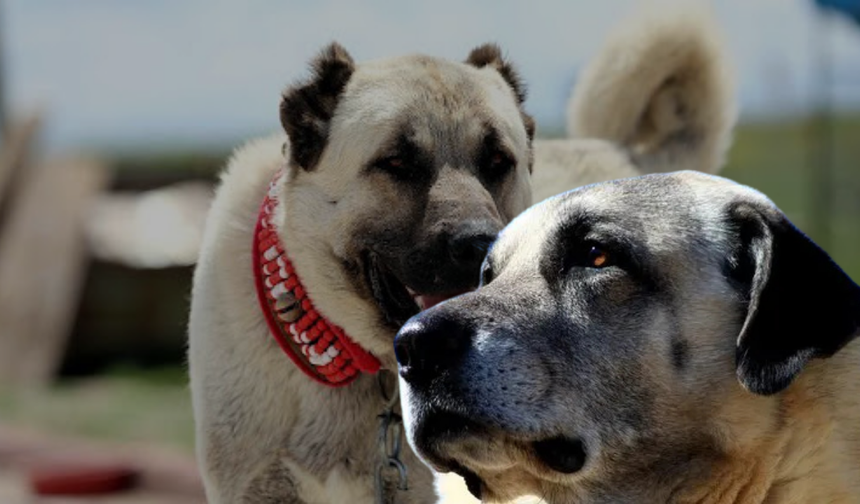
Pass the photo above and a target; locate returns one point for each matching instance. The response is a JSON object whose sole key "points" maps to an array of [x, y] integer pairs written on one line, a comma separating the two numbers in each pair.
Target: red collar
{"points": [[319, 348]]}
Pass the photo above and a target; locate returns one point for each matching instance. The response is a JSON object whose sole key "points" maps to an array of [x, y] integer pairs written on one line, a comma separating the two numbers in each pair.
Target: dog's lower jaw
{"points": [[393, 299]]}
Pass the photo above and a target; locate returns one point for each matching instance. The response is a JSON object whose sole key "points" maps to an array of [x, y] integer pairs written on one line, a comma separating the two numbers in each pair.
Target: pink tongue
{"points": [[430, 300]]}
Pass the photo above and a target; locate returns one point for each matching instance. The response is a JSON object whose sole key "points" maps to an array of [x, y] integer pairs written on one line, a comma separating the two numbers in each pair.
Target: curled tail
{"points": [[662, 88]]}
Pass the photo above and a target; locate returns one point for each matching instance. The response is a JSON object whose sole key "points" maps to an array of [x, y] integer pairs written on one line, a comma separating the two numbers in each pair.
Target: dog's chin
{"points": [[397, 301], [439, 438], [494, 463]]}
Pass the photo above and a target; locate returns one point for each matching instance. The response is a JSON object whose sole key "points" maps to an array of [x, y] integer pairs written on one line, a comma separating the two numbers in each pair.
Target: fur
{"points": [[565, 381], [265, 432], [680, 112], [658, 96]]}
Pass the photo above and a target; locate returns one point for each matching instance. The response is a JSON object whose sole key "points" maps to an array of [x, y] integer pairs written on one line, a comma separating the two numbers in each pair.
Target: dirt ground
{"points": [[165, 476]]}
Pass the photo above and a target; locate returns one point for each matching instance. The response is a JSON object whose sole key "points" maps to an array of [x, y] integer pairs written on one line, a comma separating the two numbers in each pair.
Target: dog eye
{"points": [[498, 163], [589, 256], [399, 167], [598, 258], [393, 164]]}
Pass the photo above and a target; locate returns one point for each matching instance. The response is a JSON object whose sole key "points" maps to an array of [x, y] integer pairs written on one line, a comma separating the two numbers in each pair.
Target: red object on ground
{"points": [[80, 478]]}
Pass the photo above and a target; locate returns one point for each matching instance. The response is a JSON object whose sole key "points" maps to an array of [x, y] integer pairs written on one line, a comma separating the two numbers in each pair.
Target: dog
{"points": [[378, 200], [664, 338]]}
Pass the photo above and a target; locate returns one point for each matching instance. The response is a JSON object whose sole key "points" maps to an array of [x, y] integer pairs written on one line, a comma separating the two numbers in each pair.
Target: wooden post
{"points": [[14, 154], [43, 258]]}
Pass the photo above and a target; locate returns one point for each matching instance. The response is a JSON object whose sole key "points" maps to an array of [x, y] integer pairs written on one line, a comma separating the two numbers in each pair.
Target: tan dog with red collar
{"points": [[381, 200]]}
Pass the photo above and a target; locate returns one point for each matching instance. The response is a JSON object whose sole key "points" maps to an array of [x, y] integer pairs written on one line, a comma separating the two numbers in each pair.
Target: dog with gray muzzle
{"points": [[665, 338], [379, 199]]}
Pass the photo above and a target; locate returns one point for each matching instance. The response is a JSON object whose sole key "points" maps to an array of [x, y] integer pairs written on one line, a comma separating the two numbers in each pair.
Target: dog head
{"points": [[400, 174], [610, 352]]}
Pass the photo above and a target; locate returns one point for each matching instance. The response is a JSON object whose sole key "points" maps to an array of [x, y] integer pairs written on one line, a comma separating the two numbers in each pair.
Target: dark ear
{"points": [[491, 55], [307, 108], [801, 304]]}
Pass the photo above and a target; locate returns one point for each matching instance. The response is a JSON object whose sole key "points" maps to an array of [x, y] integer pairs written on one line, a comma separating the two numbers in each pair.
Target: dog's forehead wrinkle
{"points": [[451, 139], [450, 100]]}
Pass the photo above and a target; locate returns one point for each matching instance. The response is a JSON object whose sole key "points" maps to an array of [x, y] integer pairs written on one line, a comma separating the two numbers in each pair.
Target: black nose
{"points": [[431, 343], [468, 246]]}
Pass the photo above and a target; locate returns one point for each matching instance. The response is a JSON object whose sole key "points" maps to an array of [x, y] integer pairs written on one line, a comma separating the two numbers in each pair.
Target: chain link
{"points": [[390, 443]]}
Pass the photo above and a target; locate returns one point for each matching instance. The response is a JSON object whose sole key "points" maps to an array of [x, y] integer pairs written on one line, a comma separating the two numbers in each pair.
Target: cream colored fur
{"points": [[661, 88], [683, 97], [264, 430], [802, 446]]}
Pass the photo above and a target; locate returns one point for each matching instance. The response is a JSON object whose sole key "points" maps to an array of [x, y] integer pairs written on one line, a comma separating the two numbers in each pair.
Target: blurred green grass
{"points": [[154, 405], [779, 160], [125, 404]]}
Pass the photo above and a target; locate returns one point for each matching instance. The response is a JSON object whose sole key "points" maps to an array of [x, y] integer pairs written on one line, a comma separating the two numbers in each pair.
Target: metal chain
{"points": [[390, 442]]}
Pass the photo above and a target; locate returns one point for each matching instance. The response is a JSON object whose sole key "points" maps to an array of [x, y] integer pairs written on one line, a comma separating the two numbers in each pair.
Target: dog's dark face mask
{"points": [[420, 161], [617, 333]]}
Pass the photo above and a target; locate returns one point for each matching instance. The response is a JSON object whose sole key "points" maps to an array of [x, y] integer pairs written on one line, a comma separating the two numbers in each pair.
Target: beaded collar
{"points": [[318, 347]]}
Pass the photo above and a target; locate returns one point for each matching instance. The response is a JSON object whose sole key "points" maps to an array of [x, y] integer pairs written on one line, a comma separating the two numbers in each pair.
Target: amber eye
{"points": [[598, 258]]}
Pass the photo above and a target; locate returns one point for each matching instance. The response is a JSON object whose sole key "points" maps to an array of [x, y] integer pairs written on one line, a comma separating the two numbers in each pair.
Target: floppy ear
{"points": [[661, 88], [307, 108], [491, 55], [801, 304]]}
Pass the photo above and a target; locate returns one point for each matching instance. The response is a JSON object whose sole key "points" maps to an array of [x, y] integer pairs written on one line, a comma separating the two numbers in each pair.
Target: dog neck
{"points": [[804, 448], [321, 349]]}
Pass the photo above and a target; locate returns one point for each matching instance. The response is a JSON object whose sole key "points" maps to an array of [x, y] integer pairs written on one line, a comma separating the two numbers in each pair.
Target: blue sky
{"points": [[206, 72]]}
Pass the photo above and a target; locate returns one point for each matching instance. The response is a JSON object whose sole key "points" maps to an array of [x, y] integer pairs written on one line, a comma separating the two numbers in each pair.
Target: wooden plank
{"points": [[43, 257], [14, 150]]}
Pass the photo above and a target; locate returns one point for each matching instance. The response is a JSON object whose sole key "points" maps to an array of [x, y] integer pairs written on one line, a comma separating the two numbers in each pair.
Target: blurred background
{"points": [[116, 116]]}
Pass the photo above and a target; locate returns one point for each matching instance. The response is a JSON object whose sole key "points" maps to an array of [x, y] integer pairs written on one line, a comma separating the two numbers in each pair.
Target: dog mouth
{"points": [[481, 454], [474, 483], [446, 427], [397, 301]]}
